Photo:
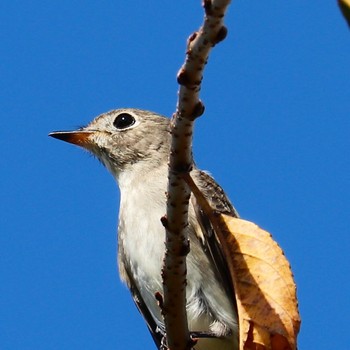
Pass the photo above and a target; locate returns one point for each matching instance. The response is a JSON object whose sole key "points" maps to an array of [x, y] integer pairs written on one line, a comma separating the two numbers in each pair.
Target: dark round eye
{"points": [[123, 121]]}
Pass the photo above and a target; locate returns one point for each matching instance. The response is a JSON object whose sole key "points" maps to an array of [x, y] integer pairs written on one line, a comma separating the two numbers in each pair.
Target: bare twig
{"points": [[189, 107]]}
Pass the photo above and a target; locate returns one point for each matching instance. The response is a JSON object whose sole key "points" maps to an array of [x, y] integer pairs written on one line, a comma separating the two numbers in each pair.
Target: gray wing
{"points": [[213, 192], [210, 244]]}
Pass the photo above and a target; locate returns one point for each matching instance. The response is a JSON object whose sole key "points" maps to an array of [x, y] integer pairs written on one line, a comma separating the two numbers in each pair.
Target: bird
{"points": [[134, 145]]}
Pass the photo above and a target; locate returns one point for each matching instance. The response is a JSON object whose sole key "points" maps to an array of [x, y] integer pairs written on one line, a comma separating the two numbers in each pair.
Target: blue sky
{"points": [[275, 135]]}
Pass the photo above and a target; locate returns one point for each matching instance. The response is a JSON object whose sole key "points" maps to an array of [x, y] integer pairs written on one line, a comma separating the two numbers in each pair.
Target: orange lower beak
{"points": [[80, 138]]}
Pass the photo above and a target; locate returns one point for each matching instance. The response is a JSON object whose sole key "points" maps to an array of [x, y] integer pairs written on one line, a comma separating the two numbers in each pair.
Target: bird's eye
{"points": [[123, 121]]}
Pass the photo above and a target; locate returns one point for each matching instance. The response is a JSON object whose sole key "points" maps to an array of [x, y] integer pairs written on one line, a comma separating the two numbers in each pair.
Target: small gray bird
{"points": [[134, 145]]}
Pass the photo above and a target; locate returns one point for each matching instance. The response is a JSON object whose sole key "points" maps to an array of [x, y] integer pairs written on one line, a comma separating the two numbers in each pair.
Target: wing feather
{"points": [[210, 243]]}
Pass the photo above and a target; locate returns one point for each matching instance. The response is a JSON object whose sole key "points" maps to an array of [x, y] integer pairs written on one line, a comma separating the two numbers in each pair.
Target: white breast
{"points": [[142, 236], [141, 232]]}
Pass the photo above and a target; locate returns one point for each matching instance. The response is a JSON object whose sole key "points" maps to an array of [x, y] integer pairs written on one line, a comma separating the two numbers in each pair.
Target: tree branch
{"points": [[189, 107]]}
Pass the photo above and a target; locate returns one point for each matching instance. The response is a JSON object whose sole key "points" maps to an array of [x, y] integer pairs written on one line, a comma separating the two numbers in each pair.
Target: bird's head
{"points": [[122, 138]]}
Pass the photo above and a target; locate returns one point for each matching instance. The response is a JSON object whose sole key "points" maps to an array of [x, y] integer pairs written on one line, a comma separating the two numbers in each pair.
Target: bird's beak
{"points": [[79, 138]]}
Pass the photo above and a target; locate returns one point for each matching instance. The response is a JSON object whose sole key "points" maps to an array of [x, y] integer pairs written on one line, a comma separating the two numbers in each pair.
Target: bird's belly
{"points": [[142, 239]]}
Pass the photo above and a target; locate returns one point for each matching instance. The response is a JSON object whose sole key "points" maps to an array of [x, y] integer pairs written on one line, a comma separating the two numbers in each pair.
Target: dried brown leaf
{"points": [[263, 283]]}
